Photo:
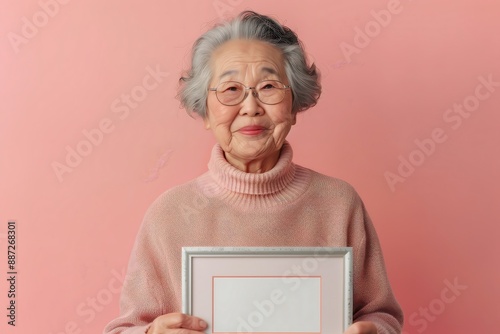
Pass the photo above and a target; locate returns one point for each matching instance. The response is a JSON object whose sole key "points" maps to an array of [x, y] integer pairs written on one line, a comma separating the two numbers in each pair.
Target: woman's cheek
{"points": [[281, 131], [224, 132]]}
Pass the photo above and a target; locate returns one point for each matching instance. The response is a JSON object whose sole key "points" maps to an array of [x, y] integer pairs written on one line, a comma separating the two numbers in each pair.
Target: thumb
{"points": [[181, 320]]}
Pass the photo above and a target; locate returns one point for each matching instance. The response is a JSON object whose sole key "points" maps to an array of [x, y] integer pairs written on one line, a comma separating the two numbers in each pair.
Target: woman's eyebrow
{"points": [[229, 72], [269, 70]]}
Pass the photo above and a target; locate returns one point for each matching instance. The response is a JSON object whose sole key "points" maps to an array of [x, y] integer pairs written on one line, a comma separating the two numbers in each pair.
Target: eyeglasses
{"points": [[231, 93]]}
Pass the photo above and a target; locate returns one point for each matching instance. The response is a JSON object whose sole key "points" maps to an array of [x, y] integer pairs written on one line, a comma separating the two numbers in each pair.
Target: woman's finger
{"points": [[181, 320]]}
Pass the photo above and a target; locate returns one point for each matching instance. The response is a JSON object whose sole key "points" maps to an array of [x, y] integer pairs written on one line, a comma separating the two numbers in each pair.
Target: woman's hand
{"points": [[178, 323], [362, 327]]}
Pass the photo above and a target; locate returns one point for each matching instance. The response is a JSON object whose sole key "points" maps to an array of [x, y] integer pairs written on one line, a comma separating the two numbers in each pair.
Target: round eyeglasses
{"points": [[231, 93]]}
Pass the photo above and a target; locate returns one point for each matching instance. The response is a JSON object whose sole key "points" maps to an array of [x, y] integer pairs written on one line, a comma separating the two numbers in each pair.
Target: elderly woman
{"points": [[248, 80]]}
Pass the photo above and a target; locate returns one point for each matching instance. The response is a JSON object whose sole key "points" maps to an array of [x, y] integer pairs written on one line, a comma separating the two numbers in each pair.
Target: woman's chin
{"points": [[253, 148]]}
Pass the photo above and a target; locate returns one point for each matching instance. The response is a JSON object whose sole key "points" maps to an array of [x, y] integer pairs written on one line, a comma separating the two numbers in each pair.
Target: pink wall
{"points": [[408, 95]]}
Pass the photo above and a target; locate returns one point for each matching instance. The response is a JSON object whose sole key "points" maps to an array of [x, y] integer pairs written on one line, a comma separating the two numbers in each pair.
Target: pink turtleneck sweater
{"points": [[287, 206]]}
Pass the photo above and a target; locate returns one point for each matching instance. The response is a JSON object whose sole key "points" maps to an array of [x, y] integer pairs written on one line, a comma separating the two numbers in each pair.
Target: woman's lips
{"points": [[252, 130]]}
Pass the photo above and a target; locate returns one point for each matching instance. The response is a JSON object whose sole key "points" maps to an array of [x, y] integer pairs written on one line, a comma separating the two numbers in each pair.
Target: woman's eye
{"points": [[267, 86], [230, 89]]}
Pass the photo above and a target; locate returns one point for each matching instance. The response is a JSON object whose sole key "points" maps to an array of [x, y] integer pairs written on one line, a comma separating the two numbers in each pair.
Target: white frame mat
{"points": [[269, 290]]}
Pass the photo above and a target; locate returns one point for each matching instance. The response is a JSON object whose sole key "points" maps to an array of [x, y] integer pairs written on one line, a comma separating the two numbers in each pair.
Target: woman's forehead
{"points": [[237, 56]]}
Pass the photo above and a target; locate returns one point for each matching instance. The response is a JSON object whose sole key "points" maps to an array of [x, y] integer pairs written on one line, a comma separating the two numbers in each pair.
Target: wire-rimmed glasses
{"points": [[231, 93]]}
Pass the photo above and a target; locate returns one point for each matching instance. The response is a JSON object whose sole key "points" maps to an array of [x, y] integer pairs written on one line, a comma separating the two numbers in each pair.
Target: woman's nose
{"points": [[251, 105]]}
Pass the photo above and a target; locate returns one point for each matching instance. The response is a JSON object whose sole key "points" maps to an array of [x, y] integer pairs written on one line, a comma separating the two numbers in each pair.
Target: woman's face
{"points": [[250, 133]]}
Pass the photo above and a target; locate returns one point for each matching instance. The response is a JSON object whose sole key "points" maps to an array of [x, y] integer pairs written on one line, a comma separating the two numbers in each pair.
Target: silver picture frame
{"points": [[269, 289]]}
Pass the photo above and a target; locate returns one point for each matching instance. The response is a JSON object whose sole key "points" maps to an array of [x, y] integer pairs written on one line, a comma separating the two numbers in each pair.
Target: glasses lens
{"points": [[270, 91], [230, 93]]}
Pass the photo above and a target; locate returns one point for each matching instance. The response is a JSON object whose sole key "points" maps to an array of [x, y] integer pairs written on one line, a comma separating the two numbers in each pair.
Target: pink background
{"points": [[64, 73]]}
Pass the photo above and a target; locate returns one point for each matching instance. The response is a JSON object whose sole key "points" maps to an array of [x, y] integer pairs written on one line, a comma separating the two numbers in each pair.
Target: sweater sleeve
{"points": [[373, 297], [144, 289]]}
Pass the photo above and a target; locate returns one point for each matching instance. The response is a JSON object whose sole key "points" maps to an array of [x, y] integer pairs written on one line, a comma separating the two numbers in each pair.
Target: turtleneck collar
{"points": [[235, 180], [283, 183]]}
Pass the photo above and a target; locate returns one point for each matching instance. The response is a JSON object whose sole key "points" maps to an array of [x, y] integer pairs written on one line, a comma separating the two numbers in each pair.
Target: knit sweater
{"points": [[286, 206]]}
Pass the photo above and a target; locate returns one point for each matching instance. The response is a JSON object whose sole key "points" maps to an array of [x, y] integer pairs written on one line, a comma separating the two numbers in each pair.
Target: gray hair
{"points": [[303, 79]]}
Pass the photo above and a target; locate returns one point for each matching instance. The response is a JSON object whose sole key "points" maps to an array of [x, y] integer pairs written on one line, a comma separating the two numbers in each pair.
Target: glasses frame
{"points": [[247, 89]]}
